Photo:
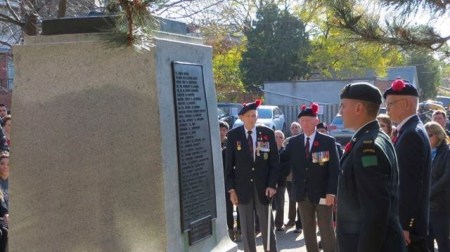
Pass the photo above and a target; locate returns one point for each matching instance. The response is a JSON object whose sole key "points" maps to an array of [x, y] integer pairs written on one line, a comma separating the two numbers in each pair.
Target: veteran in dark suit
{"points": [[315, 165], [414, 161], [367, 199], [251, 175]]}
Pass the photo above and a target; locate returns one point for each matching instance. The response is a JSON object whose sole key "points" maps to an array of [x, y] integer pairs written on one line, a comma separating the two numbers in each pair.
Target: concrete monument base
{"points": [[94, 154]]}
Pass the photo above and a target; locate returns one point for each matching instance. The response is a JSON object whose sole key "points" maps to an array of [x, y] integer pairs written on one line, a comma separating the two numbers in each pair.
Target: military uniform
{"points": [[368, 186], [367, 207], [252, 167]]}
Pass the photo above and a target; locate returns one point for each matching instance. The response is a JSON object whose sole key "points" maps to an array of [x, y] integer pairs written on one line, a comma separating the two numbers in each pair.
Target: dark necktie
{"points": [[307, 148], [250, 142]]}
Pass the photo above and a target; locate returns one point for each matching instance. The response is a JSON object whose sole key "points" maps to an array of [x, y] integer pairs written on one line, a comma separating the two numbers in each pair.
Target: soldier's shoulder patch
{"points": [[369, 157], [370, 160]]}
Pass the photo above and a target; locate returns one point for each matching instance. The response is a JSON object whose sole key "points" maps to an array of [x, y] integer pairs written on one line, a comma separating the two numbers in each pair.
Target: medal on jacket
{"points": [[238, 145]]}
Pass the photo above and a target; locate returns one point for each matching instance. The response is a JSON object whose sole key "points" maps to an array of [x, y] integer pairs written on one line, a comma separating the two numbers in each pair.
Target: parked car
{"points": [[270, 116], [445, 100], [337, 130], [228, 112], [343, 135], [426, 109]]}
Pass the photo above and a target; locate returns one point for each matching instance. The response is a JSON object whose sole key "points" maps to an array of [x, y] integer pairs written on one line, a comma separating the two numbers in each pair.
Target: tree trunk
{"points": [[30, 19], [62, 8]]}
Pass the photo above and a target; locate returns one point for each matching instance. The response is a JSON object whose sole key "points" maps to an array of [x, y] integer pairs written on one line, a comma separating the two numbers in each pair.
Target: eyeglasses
{"points": [[389, 104]]}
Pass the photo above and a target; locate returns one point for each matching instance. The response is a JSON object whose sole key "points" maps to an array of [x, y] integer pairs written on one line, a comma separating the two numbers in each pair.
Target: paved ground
{"points": [[287, 241]]}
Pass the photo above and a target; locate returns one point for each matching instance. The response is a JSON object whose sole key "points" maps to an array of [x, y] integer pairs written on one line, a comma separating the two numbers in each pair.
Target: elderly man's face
{"points": [[395, 107], [295, 129], [249, 119], [439, 118]]}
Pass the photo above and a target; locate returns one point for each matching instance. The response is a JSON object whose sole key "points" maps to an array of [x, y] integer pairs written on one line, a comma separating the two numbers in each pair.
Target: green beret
{"points": [[362, 91]]}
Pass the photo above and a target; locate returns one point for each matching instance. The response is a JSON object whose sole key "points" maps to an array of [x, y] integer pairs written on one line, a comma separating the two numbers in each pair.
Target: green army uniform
{"points": [[368, 187]]}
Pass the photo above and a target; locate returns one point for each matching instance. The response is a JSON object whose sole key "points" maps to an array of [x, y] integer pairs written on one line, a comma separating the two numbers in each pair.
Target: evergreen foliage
{"points": [[277, 48]]}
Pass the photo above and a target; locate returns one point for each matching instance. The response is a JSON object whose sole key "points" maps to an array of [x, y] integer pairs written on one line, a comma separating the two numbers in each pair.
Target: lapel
{"points": [[317, 139], [411, 121]]}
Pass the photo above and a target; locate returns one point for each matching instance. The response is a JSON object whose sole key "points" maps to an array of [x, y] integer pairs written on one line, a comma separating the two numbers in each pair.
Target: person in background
{"points": [[367, 207], [251, 175], [4, 200], [414, 161], [234, 234], [224, 128], [323, 128], [440, 188], [6, 124], [281, 186], [3, 110], [440, 117], [385, 123], [293, 211], [315, 167]]}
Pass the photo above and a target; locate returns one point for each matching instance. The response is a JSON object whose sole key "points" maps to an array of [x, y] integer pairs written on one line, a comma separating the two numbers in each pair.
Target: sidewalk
{"points": [[287, 241]]}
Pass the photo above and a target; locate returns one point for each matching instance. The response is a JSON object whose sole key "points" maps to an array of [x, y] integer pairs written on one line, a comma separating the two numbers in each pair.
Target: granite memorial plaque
{"points": [[195, 161]]}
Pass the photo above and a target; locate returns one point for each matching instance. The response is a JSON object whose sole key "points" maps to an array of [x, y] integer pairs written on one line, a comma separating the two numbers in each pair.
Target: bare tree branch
{"points": [[8, 19], [5, 44], [11, 10]]}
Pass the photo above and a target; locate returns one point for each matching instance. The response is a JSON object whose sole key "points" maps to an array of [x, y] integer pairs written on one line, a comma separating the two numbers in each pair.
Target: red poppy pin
{"points": [[316, 144], [348, 147], [265, 138]]}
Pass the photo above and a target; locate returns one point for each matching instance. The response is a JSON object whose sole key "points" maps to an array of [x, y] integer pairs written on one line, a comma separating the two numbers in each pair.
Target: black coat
{"points": [[318, 178], [440, 181], [414, 162], [367, 199], [242, 172]]}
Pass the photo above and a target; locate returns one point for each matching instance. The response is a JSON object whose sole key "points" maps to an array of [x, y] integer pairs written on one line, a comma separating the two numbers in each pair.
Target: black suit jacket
{"points": [[440, 180], [316, 177], [414, 161], [242, 172], [367, 199]]}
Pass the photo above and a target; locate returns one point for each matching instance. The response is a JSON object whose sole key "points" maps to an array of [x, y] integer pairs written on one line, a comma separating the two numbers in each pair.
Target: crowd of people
{"points": [[387, 189], [5, 142]]}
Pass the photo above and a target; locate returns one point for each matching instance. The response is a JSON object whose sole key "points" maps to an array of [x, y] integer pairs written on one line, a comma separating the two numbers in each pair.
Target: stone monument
{"points": [[115, 150]]}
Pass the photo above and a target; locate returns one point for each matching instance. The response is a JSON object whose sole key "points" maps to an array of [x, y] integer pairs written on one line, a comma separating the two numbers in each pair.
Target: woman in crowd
{"points": [[440, 188], [385, 123], [6, 124], [4, 200]]}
